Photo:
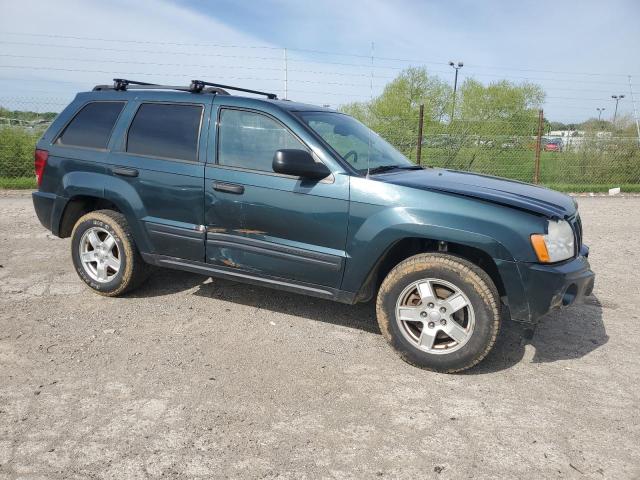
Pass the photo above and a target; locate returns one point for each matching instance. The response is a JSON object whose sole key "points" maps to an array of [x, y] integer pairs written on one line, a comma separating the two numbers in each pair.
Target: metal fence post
{"points": [[420, 125], [635, 112], [536, 171]]}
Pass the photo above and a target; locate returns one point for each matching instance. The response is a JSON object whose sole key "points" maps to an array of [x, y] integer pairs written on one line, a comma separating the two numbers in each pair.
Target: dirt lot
{"points": [[197, 377]]}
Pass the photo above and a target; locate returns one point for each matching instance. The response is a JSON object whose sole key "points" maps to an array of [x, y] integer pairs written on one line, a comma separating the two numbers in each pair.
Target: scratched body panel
{"points": [[279, 226]]}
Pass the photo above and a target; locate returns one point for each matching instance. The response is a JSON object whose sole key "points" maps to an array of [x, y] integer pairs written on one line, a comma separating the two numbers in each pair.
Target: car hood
{"points": [[512, 193]]}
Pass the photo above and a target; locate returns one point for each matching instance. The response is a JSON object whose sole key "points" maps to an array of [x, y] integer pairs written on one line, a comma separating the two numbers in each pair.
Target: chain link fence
{"points": [[21, 126], [517, 149], [521, 149]]}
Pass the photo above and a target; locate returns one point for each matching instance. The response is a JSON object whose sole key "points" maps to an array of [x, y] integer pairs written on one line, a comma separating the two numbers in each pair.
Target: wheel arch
{"points": [[406, 247], [84, 192], [80, 205]]}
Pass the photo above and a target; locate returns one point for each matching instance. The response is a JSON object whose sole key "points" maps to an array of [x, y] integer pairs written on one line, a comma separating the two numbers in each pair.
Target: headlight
{"points": [[556, 245]]}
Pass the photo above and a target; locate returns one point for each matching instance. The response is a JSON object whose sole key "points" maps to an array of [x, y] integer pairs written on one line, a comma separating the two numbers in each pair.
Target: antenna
{"points": [[369, 111]]}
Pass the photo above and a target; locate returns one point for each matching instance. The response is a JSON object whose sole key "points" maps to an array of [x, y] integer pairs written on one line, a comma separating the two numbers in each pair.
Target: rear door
{"points": [[160, 156], [265, 223]]}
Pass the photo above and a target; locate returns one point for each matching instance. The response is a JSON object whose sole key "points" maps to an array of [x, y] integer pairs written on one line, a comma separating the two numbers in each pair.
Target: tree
{"points": [[491, 115], [513, 106], [594, 125], [394, 114], [558, 126]]}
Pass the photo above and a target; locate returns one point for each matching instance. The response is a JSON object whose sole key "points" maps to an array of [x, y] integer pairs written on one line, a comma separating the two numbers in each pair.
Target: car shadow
{"points": [[163, 282], [562, 335], [565, 334]]}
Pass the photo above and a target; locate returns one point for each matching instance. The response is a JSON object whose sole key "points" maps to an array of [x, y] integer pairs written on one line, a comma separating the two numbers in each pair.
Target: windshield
{"points": [[358, 145]]}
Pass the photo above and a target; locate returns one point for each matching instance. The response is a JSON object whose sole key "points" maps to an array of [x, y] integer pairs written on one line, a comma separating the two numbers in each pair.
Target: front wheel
{"points": [[439, 312]]}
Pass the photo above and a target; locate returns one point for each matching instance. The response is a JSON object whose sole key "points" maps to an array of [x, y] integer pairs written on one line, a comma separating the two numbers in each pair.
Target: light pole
{"points": [[617, 98], [600, 110], [455, 85]]}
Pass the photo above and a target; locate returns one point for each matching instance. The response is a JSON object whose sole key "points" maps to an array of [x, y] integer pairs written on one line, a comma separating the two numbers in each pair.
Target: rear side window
{"points": [[166, 130], [92, 126], [250, 140]]}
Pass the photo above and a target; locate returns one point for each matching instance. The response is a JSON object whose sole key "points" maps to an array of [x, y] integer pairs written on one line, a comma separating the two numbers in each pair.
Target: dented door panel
{"points": [[278, 226]]}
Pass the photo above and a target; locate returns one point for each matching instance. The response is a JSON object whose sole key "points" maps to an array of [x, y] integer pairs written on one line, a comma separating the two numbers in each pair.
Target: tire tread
{"points": [[480, 280], [132, 277]]}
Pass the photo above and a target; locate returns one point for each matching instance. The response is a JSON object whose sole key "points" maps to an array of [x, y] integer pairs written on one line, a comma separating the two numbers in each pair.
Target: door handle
{"points": [[125, 172], [228, 187]]}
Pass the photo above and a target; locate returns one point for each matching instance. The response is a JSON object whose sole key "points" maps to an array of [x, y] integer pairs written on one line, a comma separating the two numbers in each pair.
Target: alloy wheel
{"points": [[99, 254], [435, 316]]}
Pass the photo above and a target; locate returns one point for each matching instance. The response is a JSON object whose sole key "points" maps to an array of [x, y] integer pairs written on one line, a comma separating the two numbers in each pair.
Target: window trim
{"points": [[82, 107], [328, 179], [173, 159]]}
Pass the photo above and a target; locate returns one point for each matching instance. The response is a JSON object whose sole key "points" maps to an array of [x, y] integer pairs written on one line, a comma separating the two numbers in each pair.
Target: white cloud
{"points": [[89, 62], [586, 36], [495, 38]]}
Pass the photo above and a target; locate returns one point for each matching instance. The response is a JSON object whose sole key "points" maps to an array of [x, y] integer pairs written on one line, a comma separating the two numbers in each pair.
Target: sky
{"points": [[580, 52]]}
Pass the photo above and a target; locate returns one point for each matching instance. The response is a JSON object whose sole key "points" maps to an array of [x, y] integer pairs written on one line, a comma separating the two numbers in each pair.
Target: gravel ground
{"points": [[194, 377]]}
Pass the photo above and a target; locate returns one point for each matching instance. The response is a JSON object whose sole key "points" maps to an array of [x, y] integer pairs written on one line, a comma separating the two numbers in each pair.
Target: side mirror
{"points": [[299, 163], [342, 130]]}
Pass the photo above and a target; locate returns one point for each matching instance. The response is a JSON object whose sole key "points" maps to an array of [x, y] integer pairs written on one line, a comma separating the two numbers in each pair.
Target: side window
{"points": [[166, 130], [249, 140], [92, 125]]}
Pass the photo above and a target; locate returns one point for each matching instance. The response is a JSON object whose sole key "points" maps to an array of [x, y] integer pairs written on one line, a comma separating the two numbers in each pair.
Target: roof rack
{"points": [[196, 86], [122, 84]]}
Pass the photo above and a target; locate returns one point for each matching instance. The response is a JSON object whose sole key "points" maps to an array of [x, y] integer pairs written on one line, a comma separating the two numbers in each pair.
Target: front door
{"points": [[267, 224]]}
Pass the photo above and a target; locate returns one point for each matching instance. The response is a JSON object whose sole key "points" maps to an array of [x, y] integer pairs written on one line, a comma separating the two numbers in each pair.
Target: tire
{"points": [[439, 312], [109, 262]]}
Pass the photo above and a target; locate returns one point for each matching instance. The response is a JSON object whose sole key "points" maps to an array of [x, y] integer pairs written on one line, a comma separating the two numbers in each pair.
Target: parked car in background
{"points": [[553, 145], [308, 200]]}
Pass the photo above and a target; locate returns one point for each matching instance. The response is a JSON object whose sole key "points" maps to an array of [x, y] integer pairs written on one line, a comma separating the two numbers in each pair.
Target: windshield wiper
{"points": [[387, 168]]}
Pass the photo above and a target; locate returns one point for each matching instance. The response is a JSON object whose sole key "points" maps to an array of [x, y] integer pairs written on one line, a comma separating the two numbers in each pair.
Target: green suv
{"points": [[308, 200]]}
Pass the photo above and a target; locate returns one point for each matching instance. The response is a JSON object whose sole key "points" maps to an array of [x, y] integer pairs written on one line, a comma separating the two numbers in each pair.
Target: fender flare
{"points": [[380, 232], [99, 185]]}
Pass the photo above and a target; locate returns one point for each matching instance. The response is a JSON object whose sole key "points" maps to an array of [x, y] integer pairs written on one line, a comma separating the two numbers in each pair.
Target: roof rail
{"points": [[198, 85], [122, 84]]}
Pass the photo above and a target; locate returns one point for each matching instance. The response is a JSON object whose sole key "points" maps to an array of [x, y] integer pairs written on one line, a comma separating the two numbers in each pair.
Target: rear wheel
{"points": [[104, 253], [439, 312]]}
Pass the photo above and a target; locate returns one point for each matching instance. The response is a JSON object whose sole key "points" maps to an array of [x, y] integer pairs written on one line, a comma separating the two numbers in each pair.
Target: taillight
{"points": [[39, 162]]}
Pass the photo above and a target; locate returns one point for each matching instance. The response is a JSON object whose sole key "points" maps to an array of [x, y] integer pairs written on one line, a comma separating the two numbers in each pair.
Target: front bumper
{"points": [[542, 288]]}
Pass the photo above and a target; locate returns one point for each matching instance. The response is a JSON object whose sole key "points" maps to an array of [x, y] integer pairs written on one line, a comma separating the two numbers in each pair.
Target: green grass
{"points": [[588, 170], [585, 171], [515, 164], [592, 187], [18, 182]]}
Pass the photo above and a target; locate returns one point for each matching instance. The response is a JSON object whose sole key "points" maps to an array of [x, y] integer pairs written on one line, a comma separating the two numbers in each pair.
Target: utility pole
{"points": [[617, 98], [455, 85], [635, 112], [420, 125], [600, 110], [286, 75]]}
